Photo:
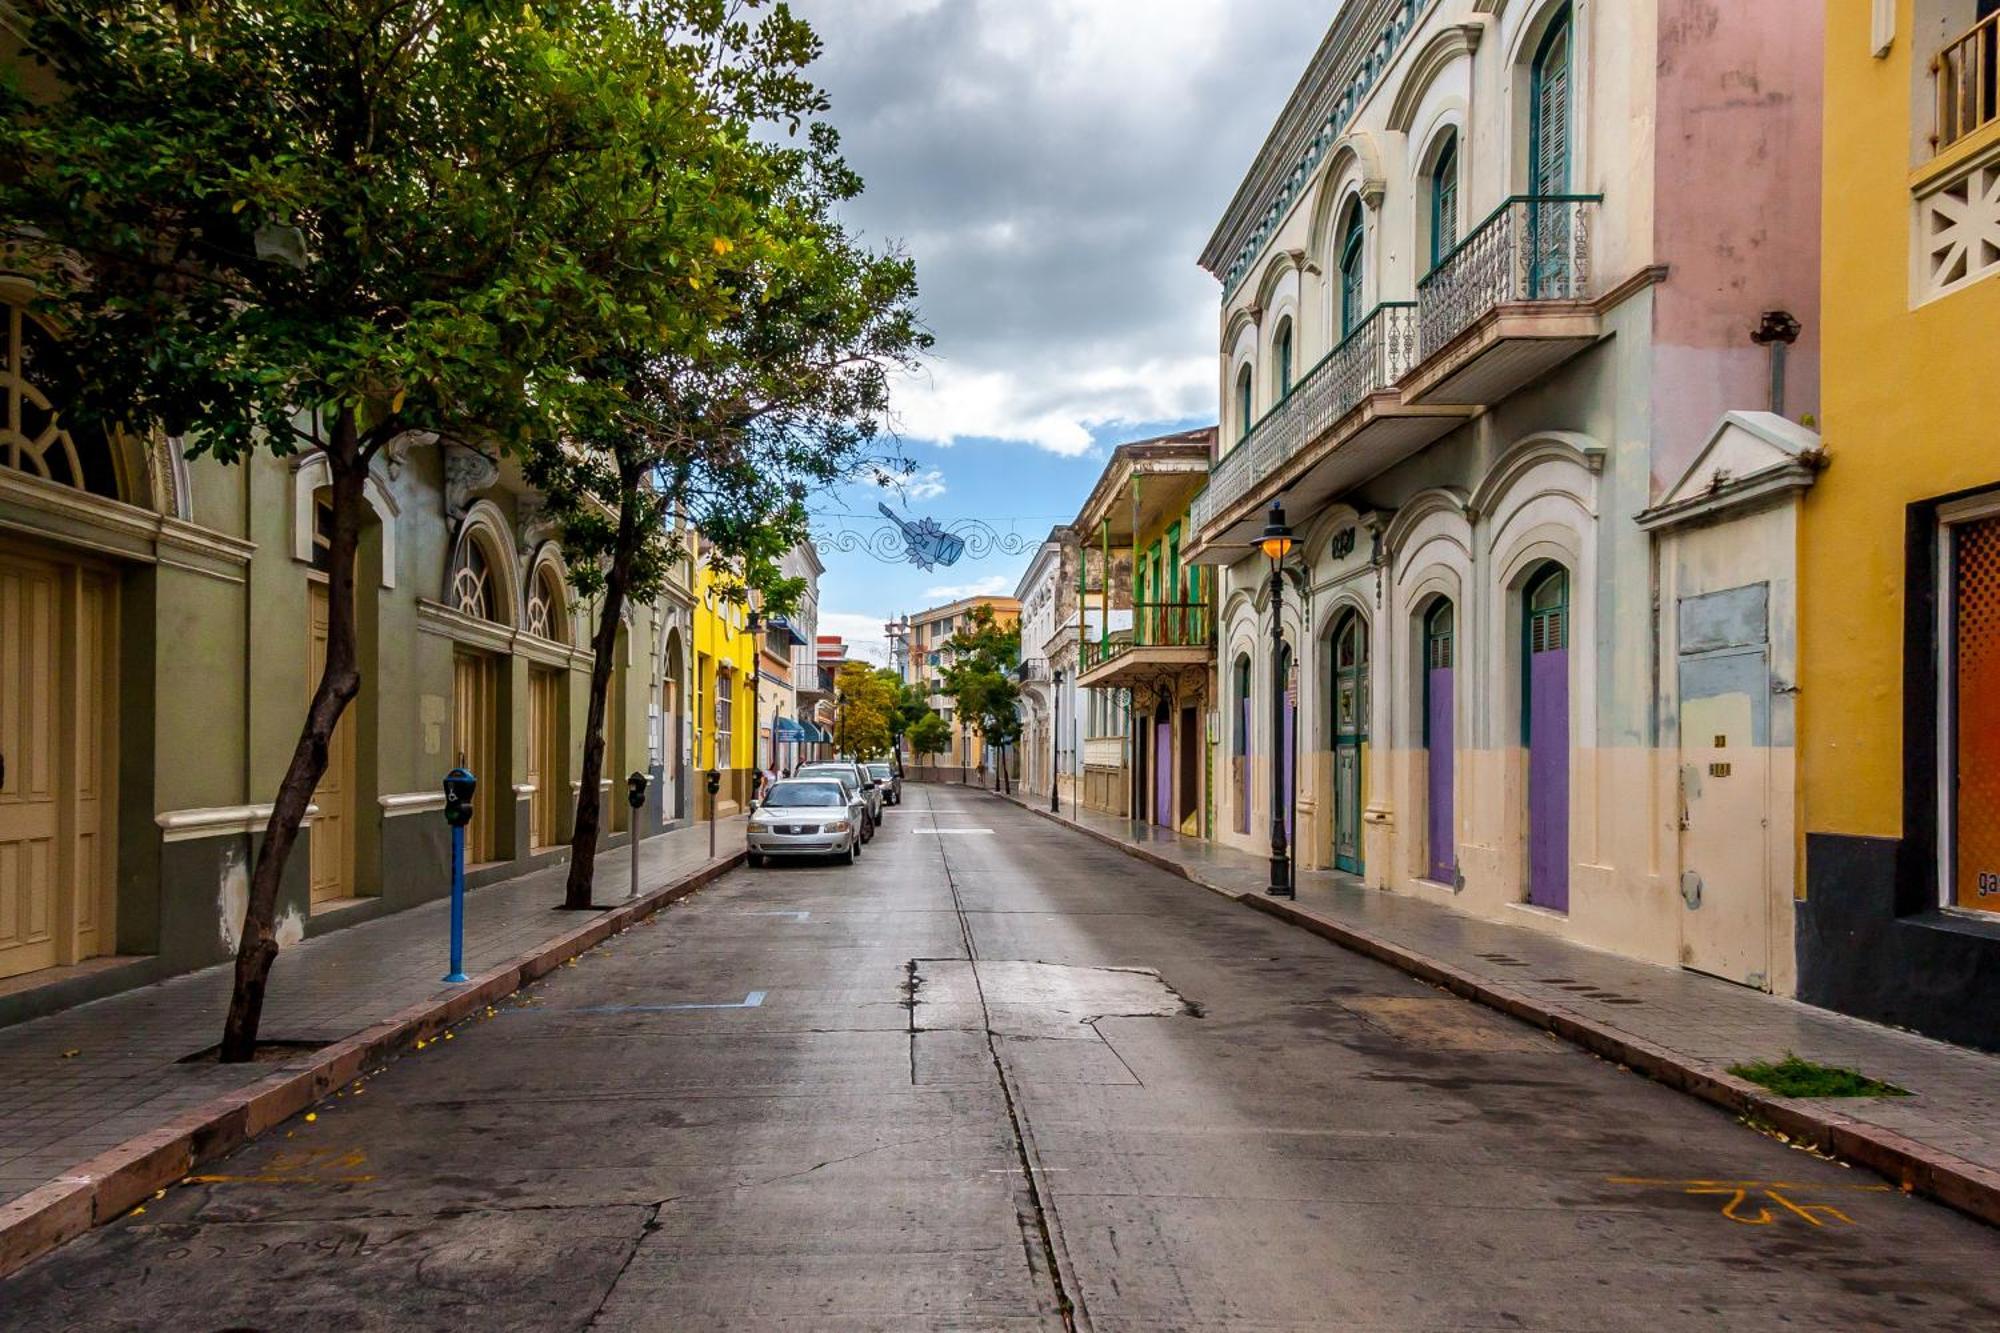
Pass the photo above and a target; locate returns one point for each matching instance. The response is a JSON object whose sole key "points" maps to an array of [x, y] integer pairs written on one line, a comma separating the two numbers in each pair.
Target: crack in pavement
{"points": [[1072, 1313]]}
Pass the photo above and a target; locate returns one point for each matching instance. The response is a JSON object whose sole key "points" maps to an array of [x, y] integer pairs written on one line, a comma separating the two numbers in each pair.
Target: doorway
{"points": [[1350, 738], [1545, 705], [58, 645], [475, 713], [332, 837], [544, 757], [1190, 772], [1440, 743], [1163, 766]]}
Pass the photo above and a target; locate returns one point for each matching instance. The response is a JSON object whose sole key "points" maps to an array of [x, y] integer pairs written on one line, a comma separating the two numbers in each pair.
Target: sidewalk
{"points": [[77, 1084], [1679, 1027]]}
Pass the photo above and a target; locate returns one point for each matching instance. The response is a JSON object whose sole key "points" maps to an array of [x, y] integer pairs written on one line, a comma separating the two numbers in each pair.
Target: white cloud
{"points": [[862, 632], [993, 585], [1053, 408], [911, 486]]}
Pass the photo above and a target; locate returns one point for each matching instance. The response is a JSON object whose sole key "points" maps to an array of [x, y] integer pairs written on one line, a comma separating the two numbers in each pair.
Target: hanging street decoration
{"points": [[924, 543]]}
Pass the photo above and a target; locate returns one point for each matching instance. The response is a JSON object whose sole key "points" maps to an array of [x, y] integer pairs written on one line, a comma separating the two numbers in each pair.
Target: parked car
{"points": [[856, 785], [868, 785], [809, 818], [892, 786]]}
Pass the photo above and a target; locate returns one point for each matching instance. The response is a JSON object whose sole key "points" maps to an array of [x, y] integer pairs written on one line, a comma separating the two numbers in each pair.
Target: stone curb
{"points": [[1916, 1168], [113, 1182]]}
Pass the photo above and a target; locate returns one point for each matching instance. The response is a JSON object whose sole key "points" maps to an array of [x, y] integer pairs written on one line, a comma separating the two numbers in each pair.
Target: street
{"points": [[1117, 1101]]}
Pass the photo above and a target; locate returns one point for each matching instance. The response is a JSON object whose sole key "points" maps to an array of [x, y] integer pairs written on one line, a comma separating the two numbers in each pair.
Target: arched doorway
{"points": [[1440, 742], [1350, 737], [58, 686], [1163, 765], [1545, 726], [478, 590], [547, 619], [1240, 750], [673, 709]]}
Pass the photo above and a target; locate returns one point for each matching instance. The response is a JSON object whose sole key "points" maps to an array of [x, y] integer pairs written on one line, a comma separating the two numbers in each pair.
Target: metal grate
{"points": [[1976, 651]]}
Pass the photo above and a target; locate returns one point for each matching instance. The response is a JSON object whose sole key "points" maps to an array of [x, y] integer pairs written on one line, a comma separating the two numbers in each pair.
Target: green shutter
{"points": [[1548, 167]]}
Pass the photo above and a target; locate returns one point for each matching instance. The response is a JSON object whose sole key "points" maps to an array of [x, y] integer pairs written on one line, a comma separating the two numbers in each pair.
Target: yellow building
{"points": [[929, 659], [725, 674], [1899, 735]]}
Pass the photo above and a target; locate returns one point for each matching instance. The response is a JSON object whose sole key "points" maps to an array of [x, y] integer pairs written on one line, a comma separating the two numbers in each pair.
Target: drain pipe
{"points": [[1778, 331]]}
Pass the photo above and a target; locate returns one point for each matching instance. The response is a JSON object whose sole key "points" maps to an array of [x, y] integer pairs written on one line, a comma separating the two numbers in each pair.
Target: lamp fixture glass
{"points": [[1277, 538]]}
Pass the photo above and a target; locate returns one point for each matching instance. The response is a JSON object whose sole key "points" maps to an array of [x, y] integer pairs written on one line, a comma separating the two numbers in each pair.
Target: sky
{"points": [[1054, 167]]}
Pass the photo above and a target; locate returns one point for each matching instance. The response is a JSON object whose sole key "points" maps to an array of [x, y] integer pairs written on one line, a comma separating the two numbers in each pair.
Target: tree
{"points": [[911, 707], [328, 224], [734, 429], [863, 726], [981, 680], [930, 735]]}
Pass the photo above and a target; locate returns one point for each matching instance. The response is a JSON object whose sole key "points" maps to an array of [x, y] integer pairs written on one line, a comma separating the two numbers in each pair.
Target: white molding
{"points": [[411, 803], [218, 821], [312, 471], [47, 508], [525, 789], [1882, 28]]}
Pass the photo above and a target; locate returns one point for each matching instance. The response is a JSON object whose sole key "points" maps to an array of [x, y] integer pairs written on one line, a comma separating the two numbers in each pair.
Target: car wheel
{"points": [[758, 861]]}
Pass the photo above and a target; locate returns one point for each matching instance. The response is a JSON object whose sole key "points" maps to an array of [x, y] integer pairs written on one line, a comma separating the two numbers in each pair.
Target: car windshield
{"points": [[878, 770], [792, 794], [829, 775]]}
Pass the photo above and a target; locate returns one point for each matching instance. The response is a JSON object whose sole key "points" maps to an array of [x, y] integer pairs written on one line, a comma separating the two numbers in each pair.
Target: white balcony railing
{"points": [[1371, 358], [1532, 248]]}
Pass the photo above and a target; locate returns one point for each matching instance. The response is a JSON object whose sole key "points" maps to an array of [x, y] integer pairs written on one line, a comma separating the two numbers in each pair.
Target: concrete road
{"points": [[996, 1076]]}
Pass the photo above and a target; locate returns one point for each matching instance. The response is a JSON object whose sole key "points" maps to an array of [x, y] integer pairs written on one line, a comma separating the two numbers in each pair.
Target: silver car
{"points": [[807, 818], [847, 769], [892, 786]]}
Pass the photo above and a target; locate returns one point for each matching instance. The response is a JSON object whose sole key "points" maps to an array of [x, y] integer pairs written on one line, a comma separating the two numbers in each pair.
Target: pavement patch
{"points": [[1025, 999], [754, 1000]]}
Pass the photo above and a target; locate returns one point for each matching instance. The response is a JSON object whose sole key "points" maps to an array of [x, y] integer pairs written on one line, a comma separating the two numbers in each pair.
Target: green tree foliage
{"points": [[863, 726], [981, 679], [329, 224], [911, 707], [733, 430], [930, 735]]}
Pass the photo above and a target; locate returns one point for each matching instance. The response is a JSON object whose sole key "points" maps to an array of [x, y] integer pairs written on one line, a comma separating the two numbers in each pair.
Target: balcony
{"points": [[1510, 303], [1341, 424], [1164, 635], [1963, 76]]}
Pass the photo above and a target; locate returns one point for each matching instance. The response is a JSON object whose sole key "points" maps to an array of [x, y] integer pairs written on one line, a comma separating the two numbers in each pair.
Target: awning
{"points": [[784, 623], [791, 729]]}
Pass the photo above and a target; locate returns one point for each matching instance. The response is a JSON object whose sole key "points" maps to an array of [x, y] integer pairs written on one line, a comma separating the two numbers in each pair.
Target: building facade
{"points": [[1146, 658], [1899, 703], [726, 676], [1531, 392], [1050, 727], [162, 625], [930, 658]]}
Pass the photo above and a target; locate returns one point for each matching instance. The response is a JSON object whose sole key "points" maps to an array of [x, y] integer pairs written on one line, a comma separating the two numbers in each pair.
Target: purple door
{"points": [[1548, 742], [1163, 774], [1443, 836]]}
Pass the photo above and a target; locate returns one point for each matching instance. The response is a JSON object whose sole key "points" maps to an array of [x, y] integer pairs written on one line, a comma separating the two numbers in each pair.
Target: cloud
{"points": [[861, 630], [993, 585], [1054, 167], [911, 486]]}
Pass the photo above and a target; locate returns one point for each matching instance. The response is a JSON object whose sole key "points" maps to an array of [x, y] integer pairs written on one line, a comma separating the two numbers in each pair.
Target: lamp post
{"points": [[839, 722], [1277, 544], [1056, 678], [755, 626]]}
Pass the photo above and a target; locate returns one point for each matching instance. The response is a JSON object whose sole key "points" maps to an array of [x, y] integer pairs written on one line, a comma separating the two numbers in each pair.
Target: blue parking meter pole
{"points": [[459, 786]]}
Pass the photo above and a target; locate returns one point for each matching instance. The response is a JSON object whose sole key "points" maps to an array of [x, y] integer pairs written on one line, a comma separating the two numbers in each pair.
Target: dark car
{"points": [[892, 786]]}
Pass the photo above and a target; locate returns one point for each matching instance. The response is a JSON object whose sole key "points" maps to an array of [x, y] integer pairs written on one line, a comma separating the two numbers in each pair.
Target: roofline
{"points": [[1195, 446]]}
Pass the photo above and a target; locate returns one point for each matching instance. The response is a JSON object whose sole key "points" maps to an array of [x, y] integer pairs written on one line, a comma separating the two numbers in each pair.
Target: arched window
{"points": [[472, 581], [1444, 200], [548, 615], [1245, 397], [1351, 311], [1548, 611], [32, 438], [1549, 110], [1281, 349]]}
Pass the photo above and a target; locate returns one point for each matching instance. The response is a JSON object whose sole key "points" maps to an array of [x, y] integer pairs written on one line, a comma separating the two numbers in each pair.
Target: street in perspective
{"points": [[1089, 664]]}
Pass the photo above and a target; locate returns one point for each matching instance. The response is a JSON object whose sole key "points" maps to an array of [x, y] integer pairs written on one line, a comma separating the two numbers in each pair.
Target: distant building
{"points": [[1050, 726], [931, 657]]}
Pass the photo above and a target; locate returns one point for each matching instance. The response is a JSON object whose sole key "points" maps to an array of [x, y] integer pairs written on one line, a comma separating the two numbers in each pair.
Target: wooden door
{"points": [[1350, 738], [1547, 663], [1440, 745], [544, 755], [56, 764], [332, 838], [474, 748]]}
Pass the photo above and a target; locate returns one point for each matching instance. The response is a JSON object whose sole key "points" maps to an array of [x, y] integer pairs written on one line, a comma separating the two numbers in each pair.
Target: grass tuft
{"points": [[1793, 1077]]}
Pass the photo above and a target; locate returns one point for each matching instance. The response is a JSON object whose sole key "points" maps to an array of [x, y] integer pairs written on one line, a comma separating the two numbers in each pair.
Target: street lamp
{"points": [[1056, 678], [755, 626], [1277, 544], [839, 723]]}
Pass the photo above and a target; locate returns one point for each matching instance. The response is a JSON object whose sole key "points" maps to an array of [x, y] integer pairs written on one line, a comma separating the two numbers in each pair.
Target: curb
{"points": [[108, 1185], [1914, 1167]]}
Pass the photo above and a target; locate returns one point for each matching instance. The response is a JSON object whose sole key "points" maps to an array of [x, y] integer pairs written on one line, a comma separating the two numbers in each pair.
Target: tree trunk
{"points": [[339, 682], [604, 648]]}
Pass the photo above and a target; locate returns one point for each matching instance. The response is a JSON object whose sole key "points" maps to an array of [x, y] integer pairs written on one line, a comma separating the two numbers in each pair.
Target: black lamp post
{"points": [[755, 626], [1277, 544], [839, 723], [1057, 677]]}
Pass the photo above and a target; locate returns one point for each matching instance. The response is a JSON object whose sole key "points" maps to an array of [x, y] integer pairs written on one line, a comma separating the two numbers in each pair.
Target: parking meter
{"points": [[714, 786], [635, 796], [459, 785]]}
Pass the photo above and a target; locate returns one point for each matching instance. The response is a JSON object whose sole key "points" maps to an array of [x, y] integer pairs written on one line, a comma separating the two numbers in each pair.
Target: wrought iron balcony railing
{"points": [[1154, 625], [1531, 248], [1963, 75], [1372, 357]]}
